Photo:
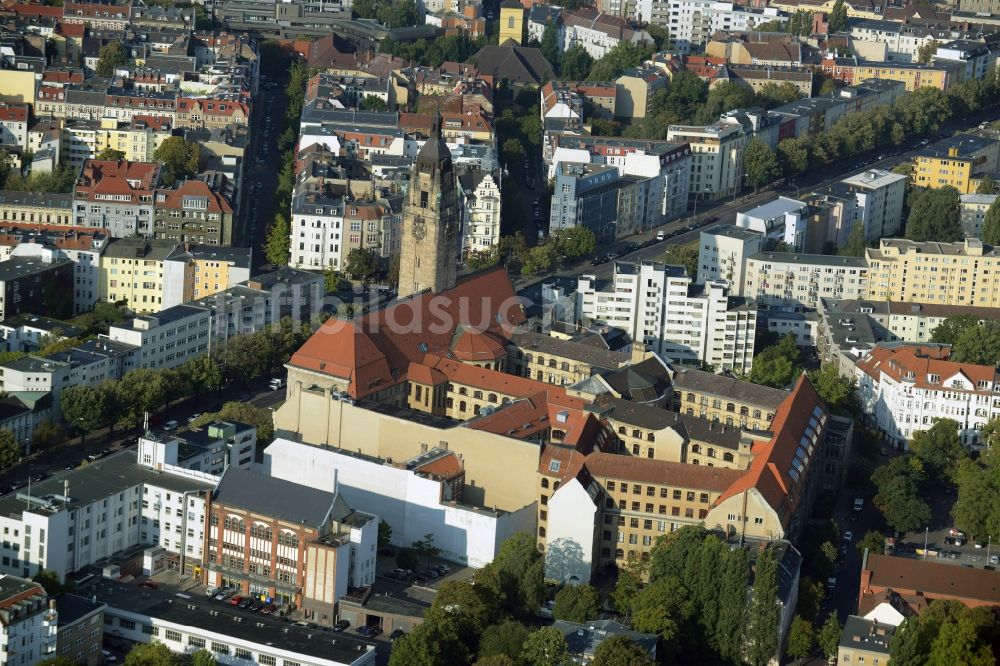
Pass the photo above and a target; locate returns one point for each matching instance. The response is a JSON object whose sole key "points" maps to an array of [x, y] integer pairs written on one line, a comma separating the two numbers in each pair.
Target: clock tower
{"points": [[429, 246]]}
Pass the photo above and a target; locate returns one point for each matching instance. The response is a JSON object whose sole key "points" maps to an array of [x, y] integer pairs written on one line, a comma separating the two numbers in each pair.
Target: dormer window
{"points": [[934, 379]]}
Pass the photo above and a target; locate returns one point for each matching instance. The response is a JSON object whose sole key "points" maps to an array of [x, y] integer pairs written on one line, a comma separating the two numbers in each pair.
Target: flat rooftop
{"points": [[202, 615]]}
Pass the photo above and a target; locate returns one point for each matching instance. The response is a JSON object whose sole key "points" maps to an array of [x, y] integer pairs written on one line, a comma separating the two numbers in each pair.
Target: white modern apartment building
{"points": [[28, 626], [693, 22], [796, 282], [716, 157], [86, 515], [85, 253], [782, 220], [658, 305], [479, 192], [974, 208], [209, 450], [723, 251], [879, 195], [905, 388], [407, 495], [166, 339]]}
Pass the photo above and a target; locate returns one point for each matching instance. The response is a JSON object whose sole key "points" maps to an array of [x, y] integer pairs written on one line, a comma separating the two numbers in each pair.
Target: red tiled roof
{"points": [[769, 470], [61, 76], [14, 113], [25, 9], [931, 580], [522, 419], [445, 467], [646, 470], [474, 345], [193, 188], [110, 177], [924, 361], [155, 123], [74, 30], [374, 351], [569, 461]]}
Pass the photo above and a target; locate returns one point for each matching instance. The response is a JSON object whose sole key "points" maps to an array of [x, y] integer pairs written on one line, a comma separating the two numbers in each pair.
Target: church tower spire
{"points": [[430, 220]]}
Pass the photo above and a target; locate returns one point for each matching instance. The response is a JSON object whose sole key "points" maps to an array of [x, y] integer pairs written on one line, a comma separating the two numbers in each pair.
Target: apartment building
{"points": [[210, 450], [193, 213], [634, 91], [14, 125], [117, 197], [594, 30], [953, 162], [693, 22], [165, 339], [91, 513], [865, 642], [723, 251], [935, 273], [36, 207], [317, 228], [941, 74], [716, 158], [137, 138], [479, 194], [974, 208], [132, 272], [29, 626], [586, 195], [558, 361], [782, 220], [192, 272], [723, 399], [795, 282], [904, 388], [659, 305], [80, 628], [879, 197], [295, 544], [36, 285]]}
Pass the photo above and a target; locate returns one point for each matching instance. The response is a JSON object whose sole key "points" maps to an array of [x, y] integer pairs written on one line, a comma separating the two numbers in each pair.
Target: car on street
{"points": [[954, 541], [341, 625], [953, 531], [238, 600], [859, 503], [109, 658], [396, 633], [848, 537], [831, 582], [660, 236], [170, 425], [149, 585]]}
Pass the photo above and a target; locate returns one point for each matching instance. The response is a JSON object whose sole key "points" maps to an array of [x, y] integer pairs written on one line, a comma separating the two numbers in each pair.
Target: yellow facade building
{"points": [[941, 75], [940, 273], [132, 271], [18, 86], [953, 161], [137, 139], [511, 21]]}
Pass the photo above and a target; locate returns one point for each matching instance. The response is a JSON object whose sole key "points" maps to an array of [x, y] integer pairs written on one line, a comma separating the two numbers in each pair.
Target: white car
{"points": [[170, 425], [108, 657], [848, 536]]}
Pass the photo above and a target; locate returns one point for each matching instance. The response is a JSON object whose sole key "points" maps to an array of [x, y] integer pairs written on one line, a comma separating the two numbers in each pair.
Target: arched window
{"points": [[729, 420], [716, 404], [649, 452], [492, 397], [478, 395], [728, 457], [635, 449], [461, 406], [690, 411], [645, 557], [696, 448], [510, 21], [744, 410], [545, 482], [541, 531], [555, 486], [711, 453], [462, 391], [730, 407], [552, 363], [690, 397], [619, 553], [632, 556], [650, 438], [564, 366], [621, 430], [756, 413]]}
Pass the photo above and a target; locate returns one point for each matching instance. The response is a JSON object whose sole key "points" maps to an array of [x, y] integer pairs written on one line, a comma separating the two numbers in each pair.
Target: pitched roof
{"points": [[174, 199], [646, 470], [780, 466], [273, 497], [728, 387], [517, 64], [374, 351], [931, 579], [918, 363]]}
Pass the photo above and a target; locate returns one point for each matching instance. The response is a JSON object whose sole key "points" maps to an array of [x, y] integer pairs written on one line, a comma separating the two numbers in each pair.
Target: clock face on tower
{"points": [[419, 229]]}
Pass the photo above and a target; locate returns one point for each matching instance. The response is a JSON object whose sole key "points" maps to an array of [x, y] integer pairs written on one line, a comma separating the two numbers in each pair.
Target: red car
{"points": [[235, 600], [149, 585]]}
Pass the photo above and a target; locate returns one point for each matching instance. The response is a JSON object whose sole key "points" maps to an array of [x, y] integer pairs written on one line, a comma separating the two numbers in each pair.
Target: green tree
{"points": [[900, 497], [518, 568], [961, 642], [987, 186], [939, 447], [577, 603], [979, 344], [414, 649], [927, 51], [512, 149], [761, 164], [935, 215], [838, 17], [407, 558], [991, 224], [627, 586], [49, 582], [828, 638], [109, 57], [506, 638], [774, 94], [278, 242], [873, 542], [384, 534], [47, 435], [398, 13], [620, 651], [202, 374], [793, 156], [179, 159], [801, 638], [949, 330], [469, 607], [682, 255], [764, 613], [856, 243], [85, 407], [545, 647], [575, 242], [605, 127], [538, 259], [915, 637], [202, 658], [549, 46], [139, 391], [243, 412], [373, 103], [837, 391], [575, 63], [777, 365], [618, 60], [151, 654], [361, 264], [56, 661], [363, 9], [111, 155]]}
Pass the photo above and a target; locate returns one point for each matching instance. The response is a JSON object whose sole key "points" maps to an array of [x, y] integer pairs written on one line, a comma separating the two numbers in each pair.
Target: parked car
{"points": [[341, 625], [545, 610], [859, 503], [441, 568], [212, 591], [109, 658], [224, 593], [238, 600], [149, 585], [170, 425], [848, 537], [268, 609], [954, 541], [396, 633], [660, 235], [956, 532]]}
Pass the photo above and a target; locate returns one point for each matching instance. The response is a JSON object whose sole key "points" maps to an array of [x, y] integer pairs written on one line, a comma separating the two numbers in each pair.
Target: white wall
{"points": [[410, 504], [569, 542]]}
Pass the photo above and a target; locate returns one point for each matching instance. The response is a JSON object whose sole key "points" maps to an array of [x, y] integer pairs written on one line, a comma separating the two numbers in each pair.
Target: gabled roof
{"points": [[517, 64], [633, 468], [918, 364], [276, 498]]}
